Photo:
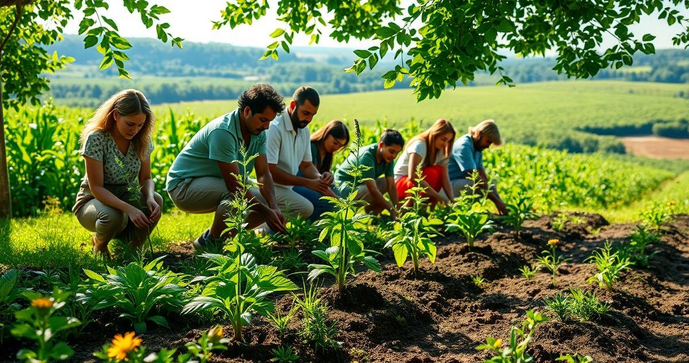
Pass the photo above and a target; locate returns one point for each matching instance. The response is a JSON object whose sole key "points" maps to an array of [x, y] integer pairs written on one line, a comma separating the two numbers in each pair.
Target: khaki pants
{"points": [[292, 203], [108, 222], [363, 193]]}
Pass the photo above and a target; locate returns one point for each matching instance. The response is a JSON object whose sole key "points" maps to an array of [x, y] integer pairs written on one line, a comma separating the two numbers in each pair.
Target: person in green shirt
{"points": [[379, 159], [202, 176]]}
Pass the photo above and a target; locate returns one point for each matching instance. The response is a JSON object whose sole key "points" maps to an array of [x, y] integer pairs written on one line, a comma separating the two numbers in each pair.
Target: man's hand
{"points": [[393, 211], [275, 220], [328, 178], [502, 209], [318, 185]]}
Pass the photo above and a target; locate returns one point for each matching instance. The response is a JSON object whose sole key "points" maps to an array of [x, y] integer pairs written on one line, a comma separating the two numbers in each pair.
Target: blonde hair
{"points": [[128, 102], [439, 128], [489, 129]]}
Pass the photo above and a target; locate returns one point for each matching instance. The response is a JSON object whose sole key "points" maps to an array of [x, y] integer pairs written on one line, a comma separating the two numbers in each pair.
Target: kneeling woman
{"points": [[116, 146], [329, 139], [431, 150]]}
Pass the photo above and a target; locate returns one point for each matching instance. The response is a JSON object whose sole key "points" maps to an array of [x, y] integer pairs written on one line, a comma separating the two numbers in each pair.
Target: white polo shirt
{"points": [[285, 147]]}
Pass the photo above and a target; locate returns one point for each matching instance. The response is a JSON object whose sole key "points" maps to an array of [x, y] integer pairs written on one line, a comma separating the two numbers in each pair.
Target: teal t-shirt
{"points": [[367, 157], [464, 158], [220, 140]]}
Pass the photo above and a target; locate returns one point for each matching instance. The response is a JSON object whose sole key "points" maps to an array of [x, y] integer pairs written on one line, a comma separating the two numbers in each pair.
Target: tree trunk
{"points": [[5, 200]]}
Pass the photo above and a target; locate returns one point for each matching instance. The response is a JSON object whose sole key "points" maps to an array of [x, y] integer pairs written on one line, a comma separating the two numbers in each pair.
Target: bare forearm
{"points": [[106, 197], [282, 177], [267, 190], [148, 188]]}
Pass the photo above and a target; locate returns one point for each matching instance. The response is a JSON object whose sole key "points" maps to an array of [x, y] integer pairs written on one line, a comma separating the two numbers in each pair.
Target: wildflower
{"points": [[553, 242], [498, 343], [42, 305], [671, 203], [122, 345], [215, 334]]}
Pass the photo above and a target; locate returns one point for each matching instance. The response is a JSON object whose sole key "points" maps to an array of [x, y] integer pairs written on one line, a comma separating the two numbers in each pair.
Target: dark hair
{"points": [[306, 93], [392, 137], [260, 96], [336, 128]]}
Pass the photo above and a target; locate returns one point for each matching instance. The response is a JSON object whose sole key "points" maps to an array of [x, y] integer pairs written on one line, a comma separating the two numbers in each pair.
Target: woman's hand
{"points": [[154, 208], [138, 217]]}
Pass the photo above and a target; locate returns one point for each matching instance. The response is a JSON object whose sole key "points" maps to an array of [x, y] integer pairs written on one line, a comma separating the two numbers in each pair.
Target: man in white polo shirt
{"points": [[288, 150]]}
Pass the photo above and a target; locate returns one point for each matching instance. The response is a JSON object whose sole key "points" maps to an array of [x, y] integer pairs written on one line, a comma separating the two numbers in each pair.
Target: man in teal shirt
{"points": [[467, 158], [379, 161], [201, 177]]}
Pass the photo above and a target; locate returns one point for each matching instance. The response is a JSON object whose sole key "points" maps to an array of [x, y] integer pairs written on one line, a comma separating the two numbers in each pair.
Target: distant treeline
{"points": [[221, 71]]}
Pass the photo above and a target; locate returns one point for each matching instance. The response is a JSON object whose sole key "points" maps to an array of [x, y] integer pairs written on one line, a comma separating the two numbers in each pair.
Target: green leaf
{"points": [[110, 22], [401, 252], [160, 320], [160, 10], [648, 37], [278, 32], [61, 351], [90, 41], [120, 43]]}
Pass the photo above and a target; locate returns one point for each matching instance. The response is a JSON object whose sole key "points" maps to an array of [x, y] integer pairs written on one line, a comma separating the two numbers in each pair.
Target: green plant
{"points": [[471, 224], [315, 326], [135, 195], [579, 305], [530, 272], [560, 221], [284, 355], [128, 348], [551, 260], [344, 226], [280, 321], [201, 349], [520, 338], [478, 281], [518, 211], [291, 260], [9, 292], [575, 359], [412, 233], [657, 215], [137, 292], [609, 264], [38, 322], [639, 241], [300, 231]]}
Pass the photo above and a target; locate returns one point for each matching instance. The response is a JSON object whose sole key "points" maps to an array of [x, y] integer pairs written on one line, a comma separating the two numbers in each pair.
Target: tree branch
{"points": [[19, 6]]}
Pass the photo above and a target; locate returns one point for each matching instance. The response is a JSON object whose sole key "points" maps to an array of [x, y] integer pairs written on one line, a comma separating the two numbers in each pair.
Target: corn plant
{"points": [[578, 305], [137, 291], [609, 264], [344, 227], [551, 260], [38, 322], [639, 241], [413, 232], [530, 272], [520, 338], [519, 211]]}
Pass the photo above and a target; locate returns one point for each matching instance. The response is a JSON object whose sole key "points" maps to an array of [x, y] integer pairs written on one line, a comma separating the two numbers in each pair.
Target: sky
{"points": [[193, 22]]}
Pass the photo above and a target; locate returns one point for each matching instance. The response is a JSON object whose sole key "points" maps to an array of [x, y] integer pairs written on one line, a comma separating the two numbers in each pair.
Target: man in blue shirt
{"points": [[467, 158]]}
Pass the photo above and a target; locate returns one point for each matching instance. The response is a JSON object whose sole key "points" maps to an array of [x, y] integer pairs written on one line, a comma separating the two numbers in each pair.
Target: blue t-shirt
{"points": [[464, 157]]}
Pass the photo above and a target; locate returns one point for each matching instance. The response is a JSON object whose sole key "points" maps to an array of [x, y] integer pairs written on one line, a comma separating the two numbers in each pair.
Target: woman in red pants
{"points": [[431, 150]]}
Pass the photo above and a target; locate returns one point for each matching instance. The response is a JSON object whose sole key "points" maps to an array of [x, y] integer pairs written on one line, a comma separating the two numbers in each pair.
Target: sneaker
{"points": [[206, 242]]}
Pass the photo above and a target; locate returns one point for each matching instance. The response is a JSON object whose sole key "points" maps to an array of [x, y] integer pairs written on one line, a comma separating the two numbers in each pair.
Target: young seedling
{"points": [[344, 227], [530, 272], [280, 321], [636, 249], [551, 260], [284, 355], [315, 326], [609, 264], [412, 234], [519, 211], [471, 224], [520, 338], [478, 281], [578, 305], [576, 358], [658, 215]]}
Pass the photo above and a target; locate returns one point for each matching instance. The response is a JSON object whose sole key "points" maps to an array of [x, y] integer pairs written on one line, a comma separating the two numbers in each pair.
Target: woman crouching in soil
{"points": [[116, 146]]}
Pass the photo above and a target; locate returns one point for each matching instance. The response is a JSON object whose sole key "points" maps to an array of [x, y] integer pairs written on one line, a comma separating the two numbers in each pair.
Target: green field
{"points": [[547, 114]]}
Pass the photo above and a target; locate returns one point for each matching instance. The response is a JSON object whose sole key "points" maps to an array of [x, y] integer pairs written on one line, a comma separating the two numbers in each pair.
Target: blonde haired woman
{"points": [[431, 151], [116, 146]]}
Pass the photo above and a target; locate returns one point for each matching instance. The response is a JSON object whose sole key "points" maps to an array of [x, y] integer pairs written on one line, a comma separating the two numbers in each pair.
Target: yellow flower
{"points": [[498, 343], [671, 203], [553, 242], [42, 303], [215, 334], [122, 345]]}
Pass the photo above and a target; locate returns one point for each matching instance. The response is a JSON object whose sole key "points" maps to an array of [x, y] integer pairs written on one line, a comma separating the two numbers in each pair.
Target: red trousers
{"points": [[433, 175]]}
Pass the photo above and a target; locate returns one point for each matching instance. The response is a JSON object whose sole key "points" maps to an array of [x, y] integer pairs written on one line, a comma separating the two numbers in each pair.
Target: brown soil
{"points": [[438, 315], [657, 147]]}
